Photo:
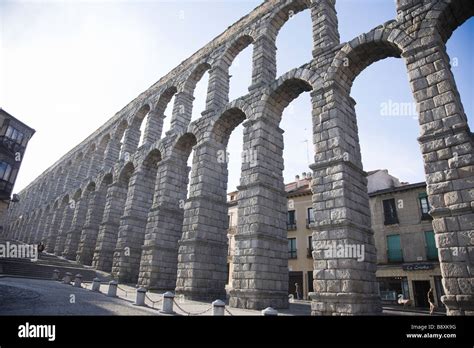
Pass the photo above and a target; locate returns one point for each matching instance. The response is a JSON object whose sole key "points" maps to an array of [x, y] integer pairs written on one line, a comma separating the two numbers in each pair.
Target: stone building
{"points": [[407, 256], [126, 209], [14, 138]]}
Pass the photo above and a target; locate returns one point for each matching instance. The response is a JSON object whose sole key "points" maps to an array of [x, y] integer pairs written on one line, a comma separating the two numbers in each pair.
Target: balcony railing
{"points": [[291, 226], [426, 216], [394, 255], [292, 254], [11, 145], [309, 222], [309, 252], [390, 220], [6, 189]]}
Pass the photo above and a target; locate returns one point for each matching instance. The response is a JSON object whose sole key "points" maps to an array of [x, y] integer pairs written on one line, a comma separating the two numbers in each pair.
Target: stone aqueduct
{"points": [[107, 195]]}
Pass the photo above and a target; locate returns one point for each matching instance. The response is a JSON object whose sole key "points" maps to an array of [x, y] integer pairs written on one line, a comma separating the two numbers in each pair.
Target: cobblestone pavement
{"points": [[23, 296]]}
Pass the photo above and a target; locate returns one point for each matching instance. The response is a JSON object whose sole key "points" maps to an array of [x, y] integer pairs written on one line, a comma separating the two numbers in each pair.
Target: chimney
{"points": [[297, 181]]}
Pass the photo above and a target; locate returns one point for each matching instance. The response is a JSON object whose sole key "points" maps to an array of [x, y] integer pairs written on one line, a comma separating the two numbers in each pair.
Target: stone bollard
{"points": [[269, 311], [96, 284], [140, 301], [218, 307], [168, 298], [112, 289], [67, 278], [78, 281], [56, 274]]}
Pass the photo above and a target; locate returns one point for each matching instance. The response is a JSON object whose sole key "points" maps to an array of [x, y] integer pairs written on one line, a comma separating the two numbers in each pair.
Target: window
{"points": [[292, 248], [424, 206], [14, 134], [5, 171], [390, 212], [310, 217], [291, 222], [310, 246], [394, 249], [431, 250]]}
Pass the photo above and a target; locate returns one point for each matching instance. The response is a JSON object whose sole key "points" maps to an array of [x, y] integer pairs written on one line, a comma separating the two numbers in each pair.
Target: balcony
{"points": [[6, 189], [394, 255], [426, 217], [308, 223], [292, 254], [309, 252], [390, 220], [291, 226], [11, 145]]}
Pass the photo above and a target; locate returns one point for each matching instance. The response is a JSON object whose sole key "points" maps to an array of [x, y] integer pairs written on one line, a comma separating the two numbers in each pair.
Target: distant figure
{"points": [[297, 287], [40, 247], [431, 301], [404, 302]]}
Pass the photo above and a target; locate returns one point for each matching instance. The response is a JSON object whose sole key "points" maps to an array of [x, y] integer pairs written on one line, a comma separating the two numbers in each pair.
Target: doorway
{"points": [[420, 289], [295, 278]]}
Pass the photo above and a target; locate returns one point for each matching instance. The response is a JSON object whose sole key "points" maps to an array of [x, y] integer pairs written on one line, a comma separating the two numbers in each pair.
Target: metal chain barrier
{"points": [[228, 312], [153, 302], [189, 313], [125, 291]]}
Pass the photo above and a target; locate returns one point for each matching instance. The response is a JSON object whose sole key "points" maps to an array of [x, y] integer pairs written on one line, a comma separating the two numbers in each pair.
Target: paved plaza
{"points": [[23, 296]]}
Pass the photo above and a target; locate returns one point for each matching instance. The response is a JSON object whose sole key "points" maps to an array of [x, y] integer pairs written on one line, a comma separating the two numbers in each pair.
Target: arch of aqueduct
{"points": [[106, 194]]}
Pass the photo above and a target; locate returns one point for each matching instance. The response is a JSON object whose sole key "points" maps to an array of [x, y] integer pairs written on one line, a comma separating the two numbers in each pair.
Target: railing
{"points": [[426, 216], [291, 226], [11, 144], [6, 188], [292, 254], [390, 220], [309, 252], [309, 222]]}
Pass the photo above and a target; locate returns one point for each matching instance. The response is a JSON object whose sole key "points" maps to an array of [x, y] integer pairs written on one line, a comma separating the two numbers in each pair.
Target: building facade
{"points": [[14, 137], [407, 257]]}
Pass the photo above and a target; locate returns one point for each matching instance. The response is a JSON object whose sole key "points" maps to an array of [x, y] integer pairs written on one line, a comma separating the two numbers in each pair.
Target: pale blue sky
{"points": [[67, 67]]}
